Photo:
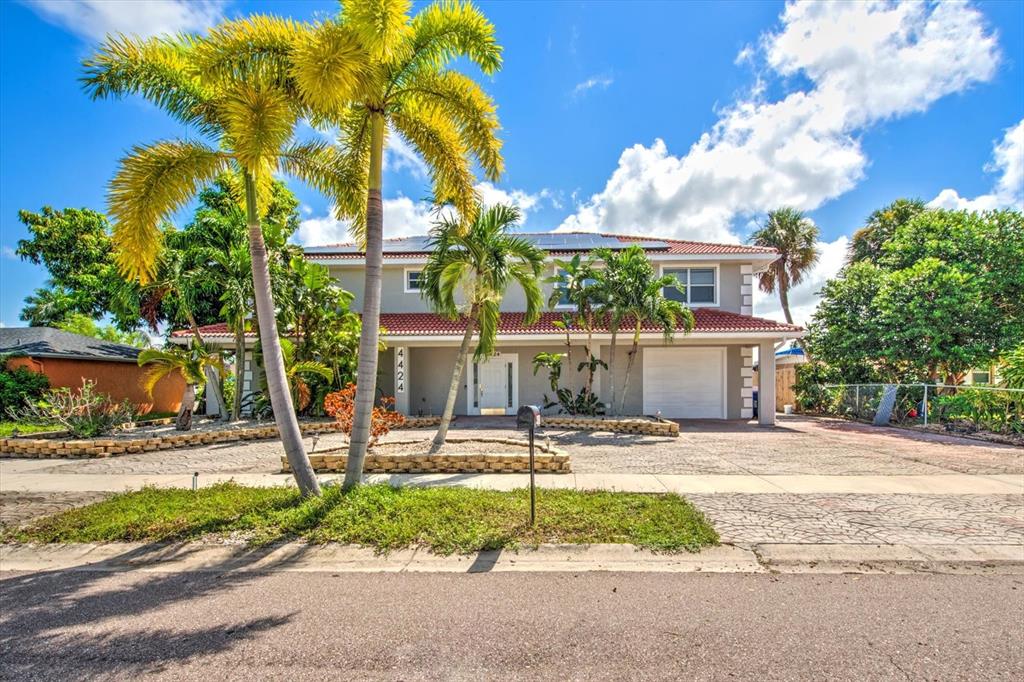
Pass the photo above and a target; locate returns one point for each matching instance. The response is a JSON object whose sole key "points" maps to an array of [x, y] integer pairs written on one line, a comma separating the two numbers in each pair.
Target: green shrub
{"points": [[85, 412], [996, 411], [809, 387], [1011, 370], [18, 386]]}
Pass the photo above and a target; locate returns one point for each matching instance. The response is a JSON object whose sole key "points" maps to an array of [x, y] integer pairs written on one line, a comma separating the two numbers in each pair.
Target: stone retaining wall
{"points": [[648, 427], [28, 446], [442, 464]]}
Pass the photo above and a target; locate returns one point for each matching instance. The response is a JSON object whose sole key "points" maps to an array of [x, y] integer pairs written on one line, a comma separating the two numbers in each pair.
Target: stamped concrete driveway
{"points": [[796, 446]]}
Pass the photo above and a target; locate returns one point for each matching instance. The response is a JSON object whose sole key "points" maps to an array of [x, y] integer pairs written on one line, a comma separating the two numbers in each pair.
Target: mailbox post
{"points": [[528, 418]]}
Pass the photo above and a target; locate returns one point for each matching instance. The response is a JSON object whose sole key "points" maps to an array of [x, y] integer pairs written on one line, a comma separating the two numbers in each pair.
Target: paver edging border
{"points": [[57, 448], [650, 426]]}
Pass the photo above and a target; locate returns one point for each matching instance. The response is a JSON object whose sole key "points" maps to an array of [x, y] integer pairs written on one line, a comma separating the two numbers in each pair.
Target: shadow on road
{"points": [[39, 612]]}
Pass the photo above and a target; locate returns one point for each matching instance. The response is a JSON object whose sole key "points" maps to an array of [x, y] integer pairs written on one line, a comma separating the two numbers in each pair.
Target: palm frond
{"points": [[488, 318], [445, 30], [382, 27], [150, 185], [258, 121], [311, 367], [256, 48], [318, 164], [437, 139], [161, 70], [329, 66]]}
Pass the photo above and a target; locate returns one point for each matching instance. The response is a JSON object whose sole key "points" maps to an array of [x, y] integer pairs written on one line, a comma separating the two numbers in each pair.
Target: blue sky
{"points": [[677, 119]]}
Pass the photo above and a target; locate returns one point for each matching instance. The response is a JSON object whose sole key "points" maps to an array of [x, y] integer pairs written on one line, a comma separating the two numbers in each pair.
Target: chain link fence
{"points": [[959, 408]]}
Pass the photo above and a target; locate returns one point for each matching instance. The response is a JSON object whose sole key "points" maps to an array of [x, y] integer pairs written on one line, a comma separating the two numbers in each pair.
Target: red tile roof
{"points": [[707, 320], [675, 247]]}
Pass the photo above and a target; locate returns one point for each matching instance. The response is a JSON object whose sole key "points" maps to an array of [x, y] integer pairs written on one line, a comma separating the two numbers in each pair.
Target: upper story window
{"points": [[697, 286], [563, 300], [412, 281]]}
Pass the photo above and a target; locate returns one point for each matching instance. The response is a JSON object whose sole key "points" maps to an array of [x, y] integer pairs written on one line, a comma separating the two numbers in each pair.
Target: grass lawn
{"points": [[7, 428], [445, 520]]}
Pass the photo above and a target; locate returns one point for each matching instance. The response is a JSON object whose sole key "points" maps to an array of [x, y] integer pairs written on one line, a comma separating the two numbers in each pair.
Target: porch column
{"points": [[747, 289], [402, 380], [747, 382], [766, 384]]}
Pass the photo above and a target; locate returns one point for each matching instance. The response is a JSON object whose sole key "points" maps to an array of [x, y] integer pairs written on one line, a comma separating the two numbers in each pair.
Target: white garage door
{"points": [[685, 383]]}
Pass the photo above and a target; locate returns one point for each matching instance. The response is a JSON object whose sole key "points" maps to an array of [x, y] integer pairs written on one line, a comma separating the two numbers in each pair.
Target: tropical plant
{"points": [[85, 412], [443, 114], [644, 302], [795, 237], [341, 406], [1011, 368], [244, 87], [868, 242], [607, 294], [191, 362], [576, 282], [19, 385], [479, 261], [79, 323], [583, 402], [299, 371]]}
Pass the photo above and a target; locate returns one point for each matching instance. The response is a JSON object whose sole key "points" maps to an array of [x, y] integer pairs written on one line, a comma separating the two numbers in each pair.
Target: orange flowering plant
{"points": [[341, 406]]}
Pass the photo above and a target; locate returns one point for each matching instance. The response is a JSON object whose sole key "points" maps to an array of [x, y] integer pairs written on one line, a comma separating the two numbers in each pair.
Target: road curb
{"points": [[299, 557]]}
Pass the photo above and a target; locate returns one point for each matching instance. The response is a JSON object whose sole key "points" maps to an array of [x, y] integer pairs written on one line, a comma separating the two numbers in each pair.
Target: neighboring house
{"points": [[786, 361], [66, 359], [705, 374]]}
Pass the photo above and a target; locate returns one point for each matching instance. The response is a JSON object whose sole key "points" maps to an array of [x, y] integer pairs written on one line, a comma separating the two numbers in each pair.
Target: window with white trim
{"points": [[697, 286], [412, 281]]}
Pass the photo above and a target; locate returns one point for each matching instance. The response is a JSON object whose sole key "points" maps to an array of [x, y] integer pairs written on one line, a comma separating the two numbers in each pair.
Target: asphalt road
{"points": [[238, 626]]}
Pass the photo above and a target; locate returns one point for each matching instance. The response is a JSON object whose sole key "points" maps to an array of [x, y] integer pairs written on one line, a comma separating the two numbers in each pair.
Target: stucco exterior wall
{"points": [[394, 298], [120, 380], [430, 375]]}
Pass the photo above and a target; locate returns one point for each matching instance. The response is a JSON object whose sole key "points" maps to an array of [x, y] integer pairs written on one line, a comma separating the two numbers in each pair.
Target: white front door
{"points": [[684, 383], [494, 385]]}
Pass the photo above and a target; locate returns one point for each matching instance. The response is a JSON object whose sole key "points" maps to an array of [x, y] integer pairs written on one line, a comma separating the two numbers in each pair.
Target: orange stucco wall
{"points": [[120, 380]]}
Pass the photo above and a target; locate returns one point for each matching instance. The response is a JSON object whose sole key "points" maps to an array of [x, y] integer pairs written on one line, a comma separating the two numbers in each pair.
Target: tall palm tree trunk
{"points": [[611, 367], [236, 403], [273, 359], [183, 422], [366, 376], [453, 389], [629, 367], [784, 299]]}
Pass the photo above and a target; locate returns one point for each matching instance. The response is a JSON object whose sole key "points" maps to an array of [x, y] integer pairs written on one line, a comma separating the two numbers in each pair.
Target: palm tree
{"points": [[479, 261], [575, 282], [234, 279], [444, 115], [298, 370], [644, 301], [192, 362], [243, 88], [608, 295], [881, 225], [795, 237]]}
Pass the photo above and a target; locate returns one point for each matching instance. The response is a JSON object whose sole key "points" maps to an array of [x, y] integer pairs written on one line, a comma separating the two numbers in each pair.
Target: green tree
{"points": [[191, 362], [644, 302], [575, 283], [74, 246], [79, 323], [881, 225], [443, 114], [608, 293], [244, 87], [479, 262], [795, 237]]}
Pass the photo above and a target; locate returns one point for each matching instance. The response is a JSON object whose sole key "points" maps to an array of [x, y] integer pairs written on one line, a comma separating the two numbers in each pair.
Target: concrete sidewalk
{"points": [[943, 484], [332, 558]]}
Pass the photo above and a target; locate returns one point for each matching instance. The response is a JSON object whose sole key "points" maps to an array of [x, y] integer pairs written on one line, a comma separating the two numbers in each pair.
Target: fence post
{"points": [[925, 410], [856, 400]]}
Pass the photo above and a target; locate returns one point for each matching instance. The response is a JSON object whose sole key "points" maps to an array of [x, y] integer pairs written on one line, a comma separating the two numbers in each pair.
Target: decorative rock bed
{"points": [[546, 460], [58, 446], [642, 425]]}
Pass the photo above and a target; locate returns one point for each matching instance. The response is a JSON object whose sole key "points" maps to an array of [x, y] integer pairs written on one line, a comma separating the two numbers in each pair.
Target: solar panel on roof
{"points": [[549, 241]]}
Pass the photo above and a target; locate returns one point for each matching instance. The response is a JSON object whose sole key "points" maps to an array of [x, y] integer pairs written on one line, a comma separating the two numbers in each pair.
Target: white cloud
{"points": [[399, 155], [95, 19], [1008, 161], [404, 217], [601, 82], [803, 298], [863, 63], [10, 253]]}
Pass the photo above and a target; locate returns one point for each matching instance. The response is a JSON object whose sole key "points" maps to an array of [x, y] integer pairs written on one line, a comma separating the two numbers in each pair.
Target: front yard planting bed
{"points": [[444, 520], [648, 426]]}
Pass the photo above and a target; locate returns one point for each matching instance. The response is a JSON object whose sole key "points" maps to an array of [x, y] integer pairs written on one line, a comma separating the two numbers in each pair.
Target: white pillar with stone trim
{"points": [[747, 382], [747, 289], [402, 380], [766, 384]]}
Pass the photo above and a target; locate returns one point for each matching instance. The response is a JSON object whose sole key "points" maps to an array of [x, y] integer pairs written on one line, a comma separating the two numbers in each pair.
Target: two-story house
{"points": [[707, 373]]}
